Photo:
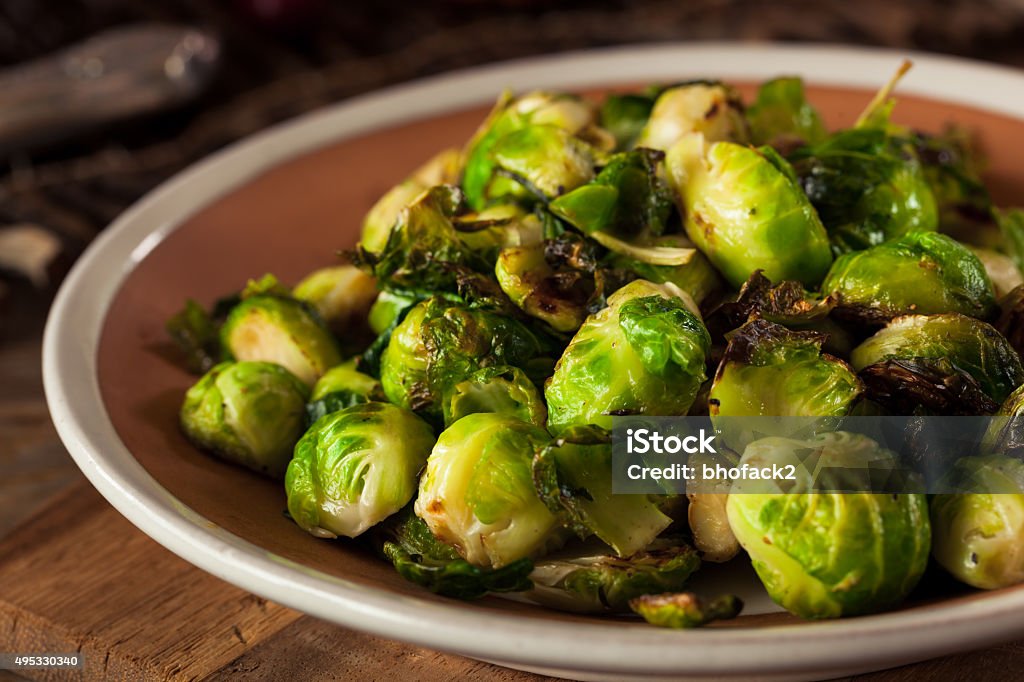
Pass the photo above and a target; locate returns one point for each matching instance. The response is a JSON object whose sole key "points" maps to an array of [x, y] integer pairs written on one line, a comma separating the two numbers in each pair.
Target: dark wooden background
{"points": [[284, 57]]}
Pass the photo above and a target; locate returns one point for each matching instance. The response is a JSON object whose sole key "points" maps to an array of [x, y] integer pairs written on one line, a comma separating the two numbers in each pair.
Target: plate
{"points": [[284, 201]]}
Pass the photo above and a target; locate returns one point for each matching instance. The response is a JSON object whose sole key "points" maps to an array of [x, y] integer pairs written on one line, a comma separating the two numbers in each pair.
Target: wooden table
{"points": [[75, 575]]}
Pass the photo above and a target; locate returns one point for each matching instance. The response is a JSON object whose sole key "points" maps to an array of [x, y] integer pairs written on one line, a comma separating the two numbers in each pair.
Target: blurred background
{"points": [[64, 175]]}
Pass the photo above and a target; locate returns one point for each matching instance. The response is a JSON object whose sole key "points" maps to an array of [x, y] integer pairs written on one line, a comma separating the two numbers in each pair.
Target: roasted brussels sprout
{"points": [[441, 343], [442, 169], [489, 149], [919, 272], [573, 475], [683, 610], [557, 295], [342, 295], [978, 533], [477, 492], [925, 386], [561, 280], [628, 197], [356, 467], [250, 413], [274, 328], [421, 558], [499, 389], [867, 186], [643, 354], [786, 303], [772, 371], [423, 251], [782, 117], [598, 583], [342, 386], [745, 211], [830, 554], [540, 160], [712, 109], [952, 341]]}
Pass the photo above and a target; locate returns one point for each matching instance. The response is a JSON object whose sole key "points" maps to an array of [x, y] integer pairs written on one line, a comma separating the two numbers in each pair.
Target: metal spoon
{"points": [[117, 74]]}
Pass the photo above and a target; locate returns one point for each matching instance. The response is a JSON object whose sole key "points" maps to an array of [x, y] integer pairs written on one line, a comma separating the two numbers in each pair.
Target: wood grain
{"points": [[79, 577]]}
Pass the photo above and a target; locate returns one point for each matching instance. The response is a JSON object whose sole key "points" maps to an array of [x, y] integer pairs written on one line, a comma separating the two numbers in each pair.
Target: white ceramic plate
{"points": [[585, 650]]}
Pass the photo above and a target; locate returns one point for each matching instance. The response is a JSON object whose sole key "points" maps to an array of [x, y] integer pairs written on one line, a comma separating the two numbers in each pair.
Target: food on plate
{"points": [[356, 467], [251, 413], [447, 392], [979, 529], [824, 554]]}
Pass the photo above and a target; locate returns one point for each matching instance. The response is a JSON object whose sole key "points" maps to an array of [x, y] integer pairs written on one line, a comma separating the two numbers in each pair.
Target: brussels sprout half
{"points": [[743, 208], [643, 354], [477, 492], [772, 371], [978, 533], [250, 413], [558, 154], [440, 344], [712, 109], [560, 296], [946, 343], [919, 272], [273, 328], [543, 161], [342, 295], [423, 251], [442, 169], [826, 555], [356, 467]]}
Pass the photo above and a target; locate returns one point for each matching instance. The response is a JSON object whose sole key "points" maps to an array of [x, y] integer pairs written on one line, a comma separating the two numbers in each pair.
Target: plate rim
{"points": [[78, 314]]}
